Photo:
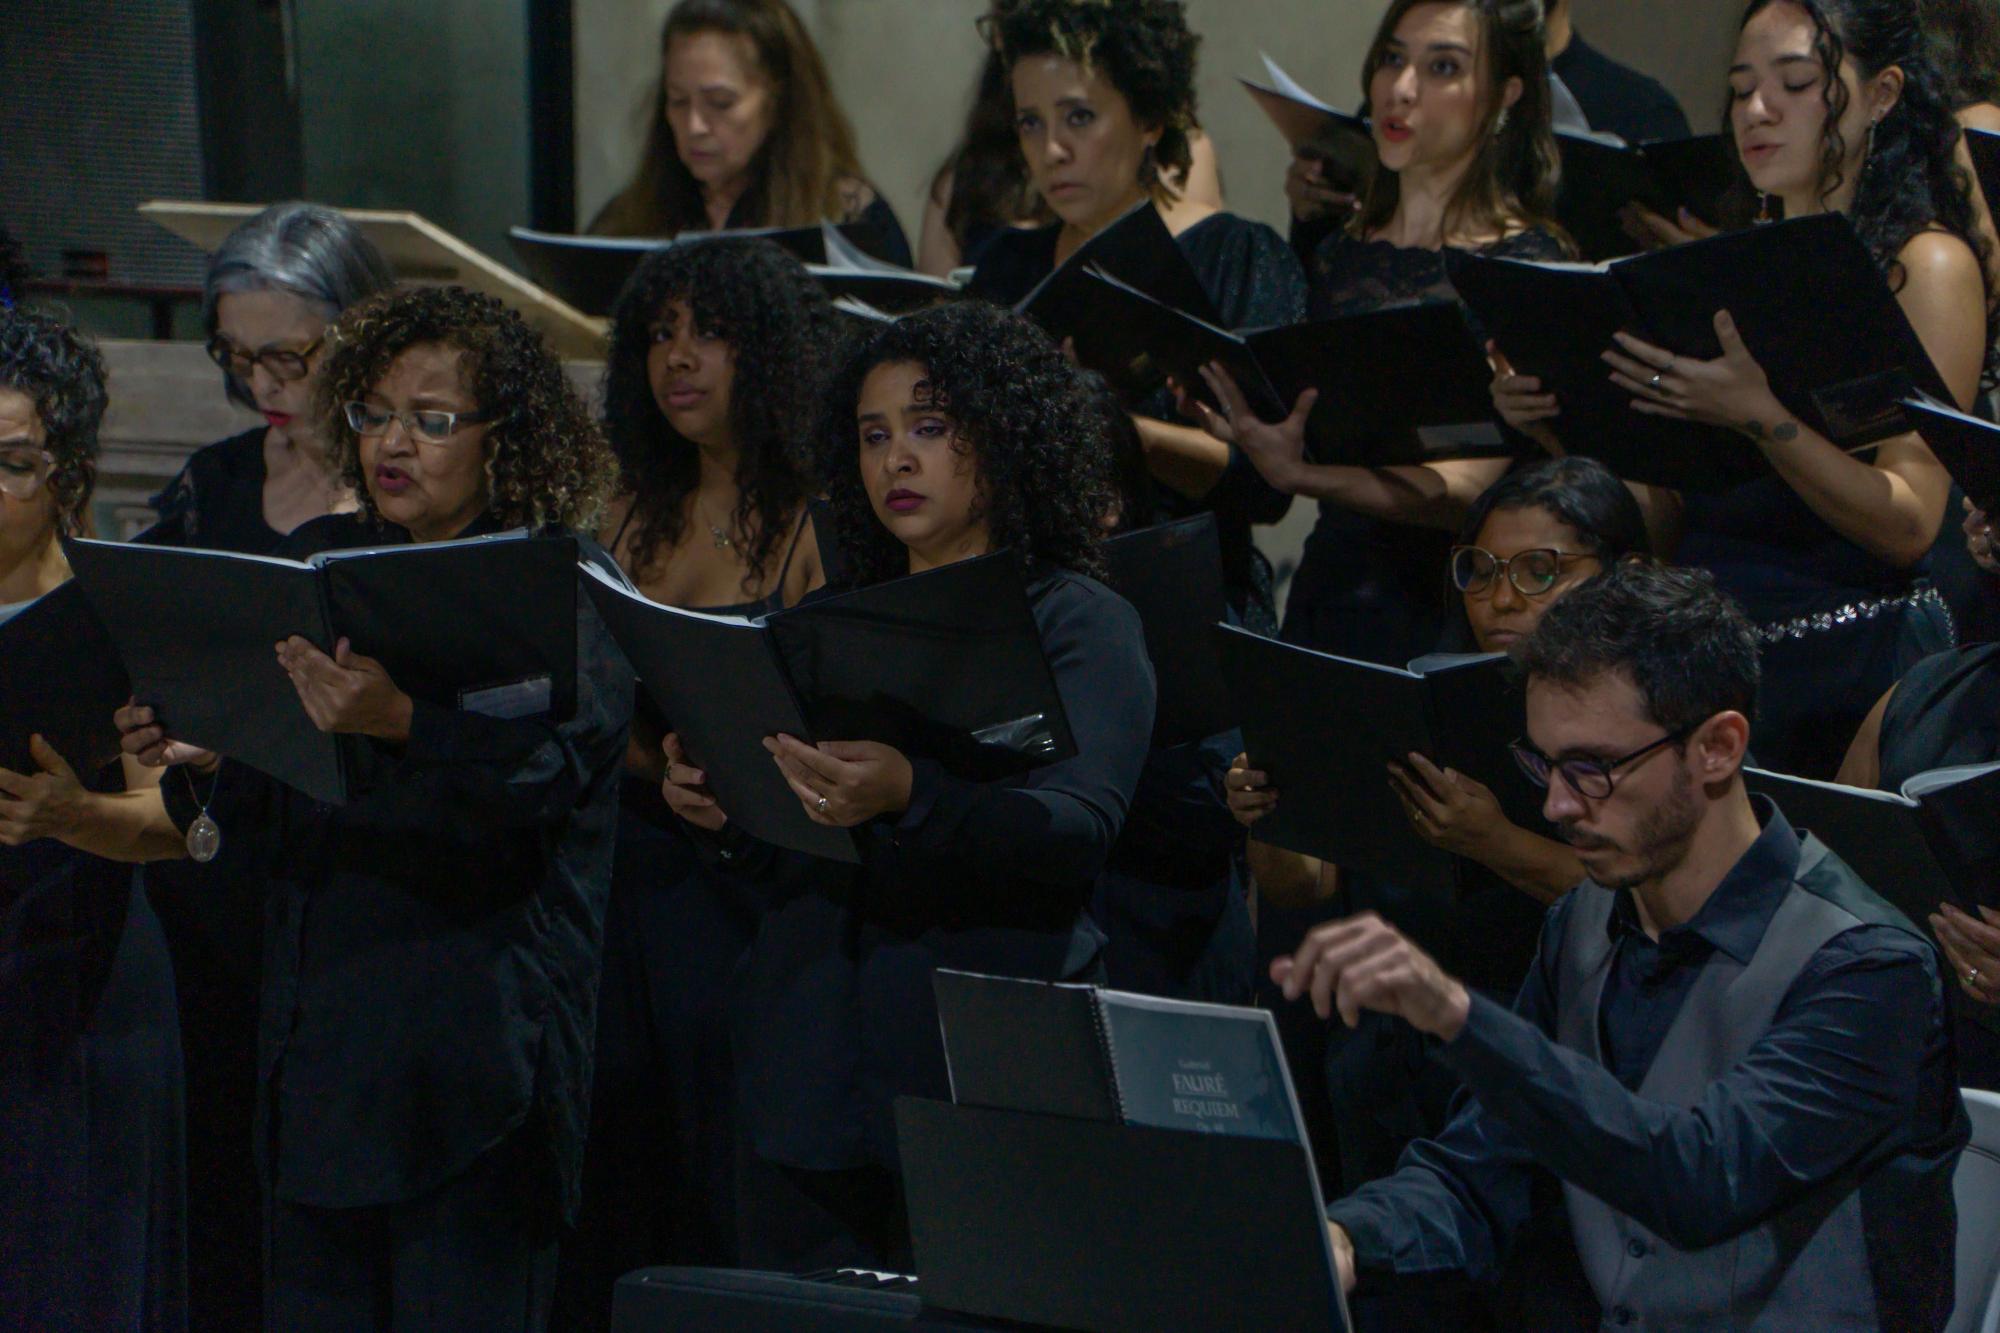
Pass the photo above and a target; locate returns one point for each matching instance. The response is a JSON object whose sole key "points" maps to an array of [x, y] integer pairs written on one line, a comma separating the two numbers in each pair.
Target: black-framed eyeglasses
{"points": [[1473, 568], [427, 424], [283, 363], [1587, 777], [24, 470]]}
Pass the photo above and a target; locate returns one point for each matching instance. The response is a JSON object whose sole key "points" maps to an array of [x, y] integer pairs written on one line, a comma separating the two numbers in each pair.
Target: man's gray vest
{"points": [[1806, 1267]]}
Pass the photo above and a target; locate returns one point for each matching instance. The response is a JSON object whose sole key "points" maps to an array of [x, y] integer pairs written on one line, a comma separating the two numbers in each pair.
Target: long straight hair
{"points": [[806, 171], [1511, 185]]}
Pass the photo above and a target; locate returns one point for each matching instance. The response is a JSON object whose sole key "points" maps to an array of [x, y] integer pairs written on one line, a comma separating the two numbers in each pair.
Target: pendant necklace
{"points": [[204, 836]]}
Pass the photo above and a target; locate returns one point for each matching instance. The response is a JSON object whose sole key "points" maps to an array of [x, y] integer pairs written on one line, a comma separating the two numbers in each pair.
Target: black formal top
{"points": [[1616, 97], [1856, 1069], [1366, 587], [431, 948], [217, 500], [1944, 713], [834, 1015], [1254, 281]]}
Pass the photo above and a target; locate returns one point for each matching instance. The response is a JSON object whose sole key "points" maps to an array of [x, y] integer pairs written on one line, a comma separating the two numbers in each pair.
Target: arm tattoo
{"points": [[1785, 431]]}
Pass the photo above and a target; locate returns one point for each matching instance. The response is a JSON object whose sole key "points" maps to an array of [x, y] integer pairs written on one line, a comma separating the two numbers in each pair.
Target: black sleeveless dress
{"points": [[659, 1168], [1946, 712]]}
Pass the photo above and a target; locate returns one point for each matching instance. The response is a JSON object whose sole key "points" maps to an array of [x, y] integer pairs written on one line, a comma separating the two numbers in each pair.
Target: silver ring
{"points": [[820, 805], [1971, 976], [1654, 382]]}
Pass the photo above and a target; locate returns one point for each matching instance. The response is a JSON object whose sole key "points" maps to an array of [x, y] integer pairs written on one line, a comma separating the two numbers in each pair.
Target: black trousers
{"points": [[478, 1252]]}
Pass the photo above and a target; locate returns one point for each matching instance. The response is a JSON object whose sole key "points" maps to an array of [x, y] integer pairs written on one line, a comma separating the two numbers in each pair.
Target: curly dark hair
{"points": [[989, 181], [1911, 180], [1965, 46], [547, 463], [1689, 650], [63, 374], [1144, 47], [785, 334], [1033, 423]]}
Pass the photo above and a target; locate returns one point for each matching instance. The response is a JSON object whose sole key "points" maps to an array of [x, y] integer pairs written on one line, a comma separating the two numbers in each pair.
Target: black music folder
{"points": [[944, 665], [1326, 728], [1172, 575], [852, 273], [1139, 251], [1397, 385], [60, 678], [486, 624], [1983, 147], [1137, 342], [590, 271], [1788, 285], [1602, 173], [1342, 142], [1098, 1148], [1968, 447], [1935, 840]]}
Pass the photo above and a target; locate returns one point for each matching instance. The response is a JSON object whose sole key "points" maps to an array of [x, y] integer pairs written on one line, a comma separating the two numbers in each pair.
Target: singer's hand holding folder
{"points": [[1326, 729], [1791, 287], [945, 665], [486, 624]]}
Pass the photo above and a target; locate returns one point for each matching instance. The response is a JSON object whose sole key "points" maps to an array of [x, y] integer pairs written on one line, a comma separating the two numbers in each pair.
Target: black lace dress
{"points": [[1366, 587]]}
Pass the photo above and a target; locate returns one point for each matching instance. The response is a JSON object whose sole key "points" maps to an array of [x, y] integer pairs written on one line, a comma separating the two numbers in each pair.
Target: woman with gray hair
{"points": [[273, 287]]}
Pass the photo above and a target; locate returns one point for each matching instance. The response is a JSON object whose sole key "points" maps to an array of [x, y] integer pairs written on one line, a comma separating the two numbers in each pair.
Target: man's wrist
{"points": [[1455, 1010]]}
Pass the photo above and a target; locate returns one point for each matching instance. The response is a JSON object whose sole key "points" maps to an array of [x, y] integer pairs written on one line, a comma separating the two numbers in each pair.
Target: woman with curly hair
{"points": [[982, 189], [1103, 106], [719, 351], [747, 132], [91, 1177], [1834, 106], [431, 948], [952, 433]]}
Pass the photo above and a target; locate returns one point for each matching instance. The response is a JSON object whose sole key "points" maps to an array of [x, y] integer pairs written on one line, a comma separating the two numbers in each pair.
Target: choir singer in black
{"points": [[1730, 1052], [950, 434], [431, 948]]}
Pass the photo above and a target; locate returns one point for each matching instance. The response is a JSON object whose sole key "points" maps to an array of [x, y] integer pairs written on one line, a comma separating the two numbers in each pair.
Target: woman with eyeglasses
{"points": [[432, 947], [272, 288], [1528, 540], [91, 1175]]}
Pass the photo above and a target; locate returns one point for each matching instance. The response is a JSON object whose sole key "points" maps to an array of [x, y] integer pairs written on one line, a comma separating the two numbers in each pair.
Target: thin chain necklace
{"points": [[723, 541]]}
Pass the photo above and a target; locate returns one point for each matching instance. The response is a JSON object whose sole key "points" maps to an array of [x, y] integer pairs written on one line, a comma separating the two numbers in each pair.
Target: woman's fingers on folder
{"points": [[1343, 1255], [142, 736], [39, 805], [1732, 390], [685, 788], [1518, 398], [1447, 809], [1972, 948], [1657, 232], [844, 783], [346, 692], [1979, 538], [1276, 448], [1248, 791]]}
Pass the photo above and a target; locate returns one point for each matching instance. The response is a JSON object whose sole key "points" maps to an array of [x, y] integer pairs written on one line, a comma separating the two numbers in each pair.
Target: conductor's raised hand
{"points": [[43, 804], [685, 788], [143, 736], [1278, 449], [1363, 962], [346, 693], [1248, 791], [844, 783]]}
